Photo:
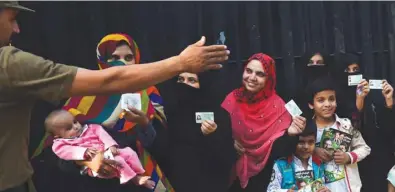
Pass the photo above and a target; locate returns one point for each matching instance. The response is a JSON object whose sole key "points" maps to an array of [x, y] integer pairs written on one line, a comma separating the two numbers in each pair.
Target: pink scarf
{"points": [[257, 121]]}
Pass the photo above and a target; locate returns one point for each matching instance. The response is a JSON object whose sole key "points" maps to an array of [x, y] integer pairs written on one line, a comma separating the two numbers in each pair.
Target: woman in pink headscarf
{"points": [[262, 128]]}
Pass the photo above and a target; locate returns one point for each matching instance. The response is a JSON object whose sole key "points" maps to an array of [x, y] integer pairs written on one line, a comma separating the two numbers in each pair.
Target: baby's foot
{"points": [[145, 181], [149, 184]]}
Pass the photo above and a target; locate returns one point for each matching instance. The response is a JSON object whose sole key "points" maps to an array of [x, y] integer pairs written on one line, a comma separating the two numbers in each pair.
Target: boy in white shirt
{"points": [[341, 169]]}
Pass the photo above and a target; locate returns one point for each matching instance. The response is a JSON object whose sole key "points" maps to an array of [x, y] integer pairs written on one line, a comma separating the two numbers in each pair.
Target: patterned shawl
{"points": [[106, 110]]}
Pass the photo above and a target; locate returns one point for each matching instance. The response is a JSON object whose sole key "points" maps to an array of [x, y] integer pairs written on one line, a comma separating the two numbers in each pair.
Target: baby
{"points": [[76, 142]]}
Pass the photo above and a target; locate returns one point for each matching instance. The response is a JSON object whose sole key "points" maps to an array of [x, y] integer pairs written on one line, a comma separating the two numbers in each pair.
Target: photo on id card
{"points": [[354, 80], [204, 116], [375, 84]]}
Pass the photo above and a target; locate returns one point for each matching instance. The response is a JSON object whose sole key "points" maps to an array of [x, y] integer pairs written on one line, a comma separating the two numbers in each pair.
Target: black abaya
{"points": [[199, 162]]}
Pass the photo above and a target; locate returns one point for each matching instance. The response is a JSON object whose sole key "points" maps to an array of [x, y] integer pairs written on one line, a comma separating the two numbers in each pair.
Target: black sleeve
{"points": [[68, 166], [284, 146], [386, 118], [220, 143], [159, 149]]}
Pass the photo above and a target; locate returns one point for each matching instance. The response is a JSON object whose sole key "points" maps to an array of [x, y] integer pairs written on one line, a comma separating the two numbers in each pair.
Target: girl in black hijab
{"points": [[373, 115], [314, 66], [202, 154]]}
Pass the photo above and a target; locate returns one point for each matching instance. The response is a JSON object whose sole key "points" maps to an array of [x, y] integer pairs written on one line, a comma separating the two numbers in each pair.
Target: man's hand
{"points": [[114, 150], [341, 158], [297, 126], [323, 154], [104, 167], [197, 57], [208, 127], [136, 116], [388, 93]]}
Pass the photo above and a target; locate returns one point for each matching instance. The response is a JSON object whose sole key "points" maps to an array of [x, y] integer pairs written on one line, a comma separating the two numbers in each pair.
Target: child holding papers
{"points": [[346, 147], [302, 171]]}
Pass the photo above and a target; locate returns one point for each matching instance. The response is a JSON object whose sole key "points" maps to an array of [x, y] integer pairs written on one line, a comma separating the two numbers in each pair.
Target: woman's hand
{"points": [[208, 127], [297, 126], [363, 89], [104, 167], [323, 154], [136, 116], [239, 148], [388, 93]]}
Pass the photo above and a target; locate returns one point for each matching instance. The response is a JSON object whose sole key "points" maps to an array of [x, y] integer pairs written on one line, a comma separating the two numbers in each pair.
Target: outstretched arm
{"points": [[31, 75]]}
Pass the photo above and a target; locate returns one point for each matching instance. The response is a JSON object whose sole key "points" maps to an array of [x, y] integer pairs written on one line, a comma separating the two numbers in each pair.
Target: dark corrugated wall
{"points": [[68, 32]]}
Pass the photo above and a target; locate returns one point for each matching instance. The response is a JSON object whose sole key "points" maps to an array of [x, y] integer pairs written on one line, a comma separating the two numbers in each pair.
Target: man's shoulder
{"points": [[6, 53], [12, 57]]}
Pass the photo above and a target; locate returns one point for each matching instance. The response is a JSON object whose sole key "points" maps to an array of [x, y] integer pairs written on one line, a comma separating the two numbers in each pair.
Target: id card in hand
{"points": [[354, 80], [376, 84], [293, 109], [131, 99], [203, 116]]}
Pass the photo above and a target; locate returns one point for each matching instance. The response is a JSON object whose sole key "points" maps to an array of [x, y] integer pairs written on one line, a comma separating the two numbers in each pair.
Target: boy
{"points": [[341, 170], [300, 169]]}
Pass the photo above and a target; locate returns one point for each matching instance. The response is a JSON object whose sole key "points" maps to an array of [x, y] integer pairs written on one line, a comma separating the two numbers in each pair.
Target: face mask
{"points": [[315, 71]]}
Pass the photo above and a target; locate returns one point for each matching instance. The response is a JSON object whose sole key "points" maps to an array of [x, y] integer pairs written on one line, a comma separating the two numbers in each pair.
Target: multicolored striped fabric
{"points": [[153, 170], [106, 110]]}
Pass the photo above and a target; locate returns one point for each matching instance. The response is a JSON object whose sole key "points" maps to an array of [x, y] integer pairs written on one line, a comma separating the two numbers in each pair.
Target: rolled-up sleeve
{"points": [[27, 74]]}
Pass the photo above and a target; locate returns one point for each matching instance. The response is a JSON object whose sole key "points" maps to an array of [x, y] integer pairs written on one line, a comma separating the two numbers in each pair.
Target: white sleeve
{"points": [[275, 181]]}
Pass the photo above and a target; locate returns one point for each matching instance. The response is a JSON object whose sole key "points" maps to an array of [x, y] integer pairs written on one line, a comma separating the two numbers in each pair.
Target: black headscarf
{"points": [[309, 74], [312, 72], [349, 91], [181, 116], [216, 149]]}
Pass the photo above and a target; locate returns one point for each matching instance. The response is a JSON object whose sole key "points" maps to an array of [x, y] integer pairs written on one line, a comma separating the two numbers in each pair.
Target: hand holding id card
{"points": [[131, 99], [293, 109], [354, 80], [375, 84], [204, 116]]}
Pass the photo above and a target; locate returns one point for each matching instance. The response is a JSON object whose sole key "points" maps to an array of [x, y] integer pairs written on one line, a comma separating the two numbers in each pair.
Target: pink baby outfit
{"points": [[94, 136]]}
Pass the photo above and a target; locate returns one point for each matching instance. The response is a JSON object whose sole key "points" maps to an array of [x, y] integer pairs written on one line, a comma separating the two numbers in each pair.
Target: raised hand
{"points": [[297, 126], [208, 127], [388, 93], [363, 89], [136, 116], [197, 57]]}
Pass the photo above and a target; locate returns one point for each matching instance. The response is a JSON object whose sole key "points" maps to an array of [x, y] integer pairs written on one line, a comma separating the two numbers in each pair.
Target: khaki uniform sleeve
{"points": [[27, 74]]}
